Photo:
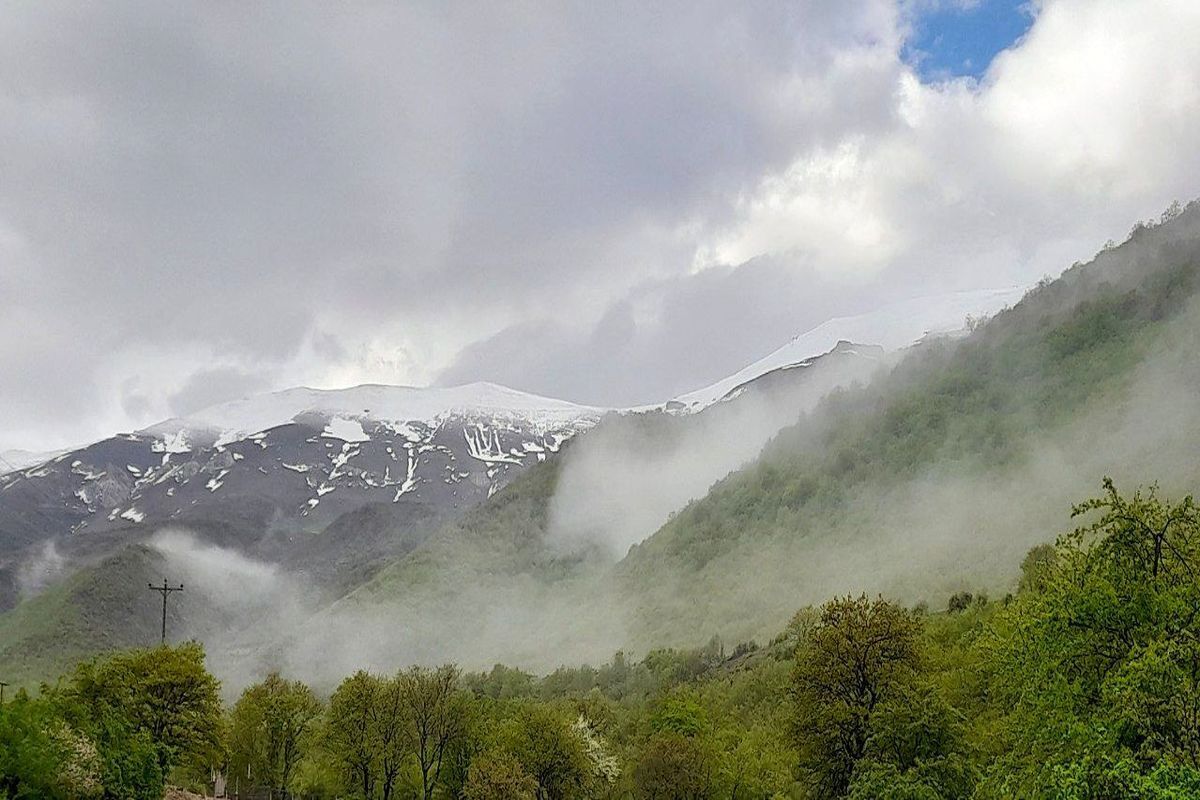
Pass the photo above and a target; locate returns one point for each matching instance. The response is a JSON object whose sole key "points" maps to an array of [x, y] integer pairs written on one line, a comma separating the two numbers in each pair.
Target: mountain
{"points": [[268, 474], [233, 531], [903, 484], [450, 511]]}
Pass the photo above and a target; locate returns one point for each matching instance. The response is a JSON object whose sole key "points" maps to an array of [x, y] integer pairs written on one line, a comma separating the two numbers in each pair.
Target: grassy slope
{"points": [[500, 537], [93, 611]]}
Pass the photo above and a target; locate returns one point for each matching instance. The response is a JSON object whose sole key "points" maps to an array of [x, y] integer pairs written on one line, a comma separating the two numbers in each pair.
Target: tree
{"points": [[550, 752], [497, 775], [1038, 567], [436, 713], [916, 749], [31, 758], [391, 732], [165, 692], [350, 730], [855, 657], [369, 731], [959, 601], [603, 764], [1108, 630], [268, 731], [673, 766]]}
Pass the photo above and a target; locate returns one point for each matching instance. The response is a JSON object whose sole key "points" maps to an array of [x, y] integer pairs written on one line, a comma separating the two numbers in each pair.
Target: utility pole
{"points": [[2, 685], [165, 590]]}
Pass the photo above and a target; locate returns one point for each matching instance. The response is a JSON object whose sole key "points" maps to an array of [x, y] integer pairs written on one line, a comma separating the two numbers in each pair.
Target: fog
{"points": [[233, 602], [42, 569], [917, 540], [622, 481], [959, 527]]}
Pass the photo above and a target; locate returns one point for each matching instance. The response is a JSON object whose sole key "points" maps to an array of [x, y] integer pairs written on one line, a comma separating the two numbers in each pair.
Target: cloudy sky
{"points": [[607, 202]]}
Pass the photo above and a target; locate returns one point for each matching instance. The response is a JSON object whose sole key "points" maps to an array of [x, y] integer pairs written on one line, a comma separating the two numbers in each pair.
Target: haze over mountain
{"points": [[267, 473], [326, 488]]}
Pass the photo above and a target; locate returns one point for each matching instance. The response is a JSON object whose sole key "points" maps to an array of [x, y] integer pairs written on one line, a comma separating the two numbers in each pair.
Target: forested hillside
{"points": [[939, 475], [1080, 684]]}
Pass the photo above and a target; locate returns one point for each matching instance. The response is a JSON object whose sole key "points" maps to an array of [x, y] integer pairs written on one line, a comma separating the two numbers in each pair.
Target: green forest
{"points": [[1080, 683]]}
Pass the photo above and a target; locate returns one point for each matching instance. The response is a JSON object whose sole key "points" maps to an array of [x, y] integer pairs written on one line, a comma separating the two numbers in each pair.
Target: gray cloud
{"points": [[211, 386], [665, 337], [556, 197]]}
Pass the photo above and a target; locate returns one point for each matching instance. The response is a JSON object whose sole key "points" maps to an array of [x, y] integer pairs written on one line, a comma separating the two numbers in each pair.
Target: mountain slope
{"points": [[900, 481], [268, 474], [261, 475], [897, 487], [522, 578]]}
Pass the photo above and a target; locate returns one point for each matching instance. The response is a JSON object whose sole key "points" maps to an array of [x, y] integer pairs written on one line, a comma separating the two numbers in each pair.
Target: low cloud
{"points": [[45, 568]]}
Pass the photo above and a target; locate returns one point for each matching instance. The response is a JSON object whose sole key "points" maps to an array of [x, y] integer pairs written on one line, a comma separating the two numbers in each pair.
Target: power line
{"points": [[164, 590]]}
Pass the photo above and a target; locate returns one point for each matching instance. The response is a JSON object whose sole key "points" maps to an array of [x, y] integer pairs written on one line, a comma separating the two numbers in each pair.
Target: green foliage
{"points": [[1109, 638], [270, 731], [960, 601], [31, 757], [113, 729], [680, 714], [916, 749], [674, 766], [1062, 365], [550, 752], [365, 734], [1080, 686], [861, 654], [165, 693], [436, 712], [496, 775]]}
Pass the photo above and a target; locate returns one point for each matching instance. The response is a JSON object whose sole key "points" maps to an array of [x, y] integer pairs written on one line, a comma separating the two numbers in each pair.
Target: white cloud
{"points": [[326, 199]]}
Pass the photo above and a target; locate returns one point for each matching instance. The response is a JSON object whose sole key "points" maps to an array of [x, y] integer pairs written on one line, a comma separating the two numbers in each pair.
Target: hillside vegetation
{"points": [[908, 485], [1079, 685]]}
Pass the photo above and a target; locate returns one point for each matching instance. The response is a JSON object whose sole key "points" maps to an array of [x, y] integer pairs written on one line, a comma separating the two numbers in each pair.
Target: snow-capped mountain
{"points": [[378, 466], [270, 472], [892, 327], [396, 406]]}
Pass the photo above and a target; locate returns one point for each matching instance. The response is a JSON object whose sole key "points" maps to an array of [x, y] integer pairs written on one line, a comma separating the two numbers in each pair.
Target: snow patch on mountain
{"points": [[17, 460], [348, 430]]}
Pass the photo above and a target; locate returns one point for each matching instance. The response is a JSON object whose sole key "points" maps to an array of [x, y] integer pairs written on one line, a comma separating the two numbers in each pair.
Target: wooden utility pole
{"points": [[165, 590]]}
